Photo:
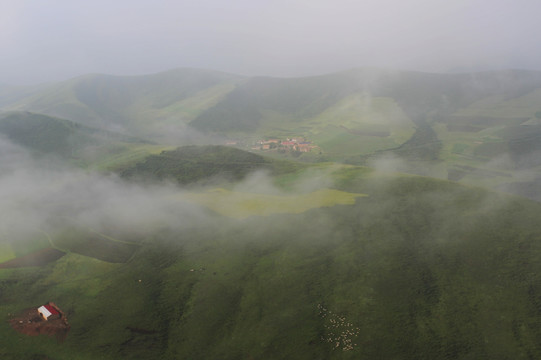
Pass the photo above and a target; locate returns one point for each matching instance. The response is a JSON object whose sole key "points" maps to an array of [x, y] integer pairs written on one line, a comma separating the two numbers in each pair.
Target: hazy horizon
{"points": [[55, 41]]}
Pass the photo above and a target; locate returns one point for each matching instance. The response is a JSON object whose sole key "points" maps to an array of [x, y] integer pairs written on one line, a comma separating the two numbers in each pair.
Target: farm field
{"points": [[242, 205]]}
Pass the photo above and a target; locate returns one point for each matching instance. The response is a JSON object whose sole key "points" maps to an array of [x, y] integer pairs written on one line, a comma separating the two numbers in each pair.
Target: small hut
{"points": [[49, 312]]}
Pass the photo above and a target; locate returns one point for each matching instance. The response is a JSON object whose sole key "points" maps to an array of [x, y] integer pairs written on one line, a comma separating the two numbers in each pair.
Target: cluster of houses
{"points": [[290, 144]]}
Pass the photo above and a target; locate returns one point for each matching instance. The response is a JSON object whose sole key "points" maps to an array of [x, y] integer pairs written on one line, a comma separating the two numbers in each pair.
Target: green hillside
{"points": [[417, 269], [130, 102], [347, 114], [477, 128], [81, 145], [416, 94], [363, 111], [342, 113], [189, 164]]}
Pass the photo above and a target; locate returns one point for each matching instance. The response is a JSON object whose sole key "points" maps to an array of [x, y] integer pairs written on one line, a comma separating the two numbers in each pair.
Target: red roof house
{"points": [[48, 312]]}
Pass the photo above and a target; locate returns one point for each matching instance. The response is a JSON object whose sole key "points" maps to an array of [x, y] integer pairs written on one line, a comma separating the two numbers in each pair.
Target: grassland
{"points": [[421, 268], [6, 252]]}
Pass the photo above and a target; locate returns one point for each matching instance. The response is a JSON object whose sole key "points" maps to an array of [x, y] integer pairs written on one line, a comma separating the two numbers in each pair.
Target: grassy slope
{"points": [[340, 112], [415, 94], [320, 108], [45, 134], [348, 127], [420, 269], [79, 144], [10, 94], [490, 141], [174, 96]]}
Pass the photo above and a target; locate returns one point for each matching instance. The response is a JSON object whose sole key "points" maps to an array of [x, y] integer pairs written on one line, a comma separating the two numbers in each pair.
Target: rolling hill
{"points": [[191, 164], [130, 103], [416, 93], [347, 114], [477, 128], [81, 145], [419, 268]]}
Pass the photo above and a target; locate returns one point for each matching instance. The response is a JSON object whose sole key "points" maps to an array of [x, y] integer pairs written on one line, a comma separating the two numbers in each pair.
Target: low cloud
{"points": [[39, 195], [390, 163], [44, 195]]}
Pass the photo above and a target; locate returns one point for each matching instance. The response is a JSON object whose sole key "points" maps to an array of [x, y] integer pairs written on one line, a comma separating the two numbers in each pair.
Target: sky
{"points": [[54, 40]]}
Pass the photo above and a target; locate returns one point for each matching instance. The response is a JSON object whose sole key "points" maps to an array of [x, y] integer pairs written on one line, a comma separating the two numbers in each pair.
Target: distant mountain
{"points": [[224, 103], [10, 94], [416, 93], [132, 103]]}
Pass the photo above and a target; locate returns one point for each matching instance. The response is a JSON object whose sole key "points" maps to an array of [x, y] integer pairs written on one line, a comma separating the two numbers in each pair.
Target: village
{"points": [[293, 144]]}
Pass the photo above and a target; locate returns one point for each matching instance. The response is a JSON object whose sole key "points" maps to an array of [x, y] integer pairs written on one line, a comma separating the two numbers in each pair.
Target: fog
{"points": [[57, 40], [44, 194], [38, 194]]}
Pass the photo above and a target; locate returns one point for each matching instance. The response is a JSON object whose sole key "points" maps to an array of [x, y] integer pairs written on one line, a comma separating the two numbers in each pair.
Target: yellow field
{"points": [[242, 205]]}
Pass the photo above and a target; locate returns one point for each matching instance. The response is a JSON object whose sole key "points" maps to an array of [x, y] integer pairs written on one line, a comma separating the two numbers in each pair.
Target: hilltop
{"points": [[189, 164]]}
